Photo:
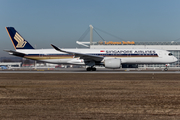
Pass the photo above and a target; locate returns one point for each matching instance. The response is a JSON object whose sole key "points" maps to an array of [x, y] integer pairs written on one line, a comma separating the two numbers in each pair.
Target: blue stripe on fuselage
{"points": [[94, 54]]}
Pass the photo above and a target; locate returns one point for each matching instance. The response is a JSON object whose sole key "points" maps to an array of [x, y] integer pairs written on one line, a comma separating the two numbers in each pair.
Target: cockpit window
{"points": [[170, 54]]}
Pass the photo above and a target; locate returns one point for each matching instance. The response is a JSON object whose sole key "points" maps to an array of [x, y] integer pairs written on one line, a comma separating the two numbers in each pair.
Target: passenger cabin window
{"points": [[170, 54]]}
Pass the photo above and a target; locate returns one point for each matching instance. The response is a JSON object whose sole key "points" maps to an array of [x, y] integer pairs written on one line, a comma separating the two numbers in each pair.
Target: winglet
{"points": [[56, 48]]}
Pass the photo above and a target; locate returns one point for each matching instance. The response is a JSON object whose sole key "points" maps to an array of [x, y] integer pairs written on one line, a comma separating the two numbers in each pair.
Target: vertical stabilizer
{"points": [[18, 41]]}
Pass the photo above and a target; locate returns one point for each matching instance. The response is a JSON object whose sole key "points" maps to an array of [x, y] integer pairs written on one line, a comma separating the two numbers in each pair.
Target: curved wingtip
{"points": [[56, 48]]}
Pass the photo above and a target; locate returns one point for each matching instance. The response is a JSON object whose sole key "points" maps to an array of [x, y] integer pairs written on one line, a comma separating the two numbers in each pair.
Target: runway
{"points": [[83, 70], [72, 96]]}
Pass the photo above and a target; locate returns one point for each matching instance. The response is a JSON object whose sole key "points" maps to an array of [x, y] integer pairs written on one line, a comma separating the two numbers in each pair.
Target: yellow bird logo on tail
{"points": [[20, 40]]}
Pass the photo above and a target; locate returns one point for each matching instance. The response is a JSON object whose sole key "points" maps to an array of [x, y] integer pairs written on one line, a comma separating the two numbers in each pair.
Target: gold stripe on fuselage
{"points": [[69, 57], [42, 58]]}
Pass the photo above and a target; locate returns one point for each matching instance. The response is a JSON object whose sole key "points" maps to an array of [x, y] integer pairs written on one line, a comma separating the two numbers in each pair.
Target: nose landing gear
{"points": [[166, 68]]}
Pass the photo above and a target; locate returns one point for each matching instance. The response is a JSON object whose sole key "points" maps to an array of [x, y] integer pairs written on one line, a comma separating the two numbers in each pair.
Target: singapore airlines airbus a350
{"points": [[109, 58]]}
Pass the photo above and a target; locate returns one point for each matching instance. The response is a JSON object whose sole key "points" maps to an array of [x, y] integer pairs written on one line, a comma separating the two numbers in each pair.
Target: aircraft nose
{"points": [[175, 59]]}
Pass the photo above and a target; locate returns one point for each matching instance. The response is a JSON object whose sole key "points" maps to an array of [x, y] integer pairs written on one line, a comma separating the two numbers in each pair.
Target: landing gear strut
{"points": [[91, 69], [166, 69]]}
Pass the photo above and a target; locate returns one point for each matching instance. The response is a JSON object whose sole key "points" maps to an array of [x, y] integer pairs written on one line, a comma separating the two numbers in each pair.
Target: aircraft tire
{"points": [[88, 69], [93, 69], [165, 69]]}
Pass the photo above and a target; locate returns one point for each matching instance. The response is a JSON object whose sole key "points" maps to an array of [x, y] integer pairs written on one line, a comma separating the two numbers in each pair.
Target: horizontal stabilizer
{"points": [[19, 54]]}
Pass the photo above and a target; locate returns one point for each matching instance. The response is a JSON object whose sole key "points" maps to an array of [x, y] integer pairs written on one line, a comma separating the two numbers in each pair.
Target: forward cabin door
{"points": [[41, 54], [160, 54], [156, 58]]}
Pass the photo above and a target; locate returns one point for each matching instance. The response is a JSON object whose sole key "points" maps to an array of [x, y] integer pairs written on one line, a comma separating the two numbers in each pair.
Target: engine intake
{"points": [[112, 63]]}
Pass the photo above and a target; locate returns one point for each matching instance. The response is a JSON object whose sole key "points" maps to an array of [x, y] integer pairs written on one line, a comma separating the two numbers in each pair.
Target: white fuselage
{"points": [[127, 56]]}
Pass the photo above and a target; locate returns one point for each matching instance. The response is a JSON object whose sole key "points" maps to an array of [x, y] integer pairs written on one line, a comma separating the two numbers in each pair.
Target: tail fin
{"points": [[18, 41]]}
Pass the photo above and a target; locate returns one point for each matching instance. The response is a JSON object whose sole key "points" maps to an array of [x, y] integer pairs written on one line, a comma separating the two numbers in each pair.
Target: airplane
{"points": [[109, 58]]}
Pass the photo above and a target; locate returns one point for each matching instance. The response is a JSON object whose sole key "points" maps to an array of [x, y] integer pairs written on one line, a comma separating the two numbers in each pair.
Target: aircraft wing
{"points": [[15, 53], [81, 55]]}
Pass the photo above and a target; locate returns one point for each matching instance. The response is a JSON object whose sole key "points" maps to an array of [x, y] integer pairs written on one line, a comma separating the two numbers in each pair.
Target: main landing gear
{"points": [[91, 69]]}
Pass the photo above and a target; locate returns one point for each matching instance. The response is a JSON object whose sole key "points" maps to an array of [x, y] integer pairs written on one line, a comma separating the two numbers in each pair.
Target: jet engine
{"points": [[112, 63]]}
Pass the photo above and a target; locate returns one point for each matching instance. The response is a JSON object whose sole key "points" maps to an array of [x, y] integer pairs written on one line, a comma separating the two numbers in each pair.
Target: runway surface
{"points": [[83, 70], [104, 96]]}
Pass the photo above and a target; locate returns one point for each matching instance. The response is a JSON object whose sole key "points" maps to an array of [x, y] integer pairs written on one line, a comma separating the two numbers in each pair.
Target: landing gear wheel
{"points": [[88, 69], [165, 69], [93, 69]]}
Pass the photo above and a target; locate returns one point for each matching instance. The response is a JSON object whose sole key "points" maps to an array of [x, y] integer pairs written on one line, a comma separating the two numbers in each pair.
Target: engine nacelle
{"points": [[112, 63]]}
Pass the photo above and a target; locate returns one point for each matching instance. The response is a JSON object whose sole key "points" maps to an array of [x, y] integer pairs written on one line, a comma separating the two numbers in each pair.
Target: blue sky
{"points": [[62, 22]]}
